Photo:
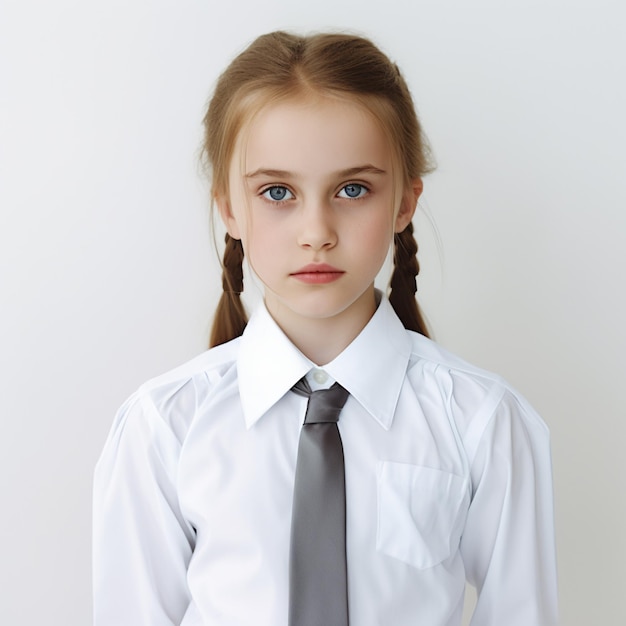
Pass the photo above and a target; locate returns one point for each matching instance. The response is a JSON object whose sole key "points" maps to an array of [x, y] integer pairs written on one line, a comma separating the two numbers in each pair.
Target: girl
{"points": [[317, 160]]}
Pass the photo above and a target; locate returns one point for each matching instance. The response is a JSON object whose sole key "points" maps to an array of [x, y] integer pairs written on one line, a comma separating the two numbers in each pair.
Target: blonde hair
{"points": [[280, 65]]}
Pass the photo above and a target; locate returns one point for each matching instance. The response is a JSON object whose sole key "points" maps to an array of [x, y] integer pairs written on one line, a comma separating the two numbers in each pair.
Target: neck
{"points": [[321, 339]]}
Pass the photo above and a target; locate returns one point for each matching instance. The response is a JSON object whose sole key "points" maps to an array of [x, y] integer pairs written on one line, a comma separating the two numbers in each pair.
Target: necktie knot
{"points": [[324, 405]]}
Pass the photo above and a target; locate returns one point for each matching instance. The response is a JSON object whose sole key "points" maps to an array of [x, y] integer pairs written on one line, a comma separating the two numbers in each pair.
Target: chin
{"points": [[315, 309]]}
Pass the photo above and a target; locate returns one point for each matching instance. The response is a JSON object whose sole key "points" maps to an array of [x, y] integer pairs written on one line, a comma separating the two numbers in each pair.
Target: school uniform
{"points": [[448, 478]]}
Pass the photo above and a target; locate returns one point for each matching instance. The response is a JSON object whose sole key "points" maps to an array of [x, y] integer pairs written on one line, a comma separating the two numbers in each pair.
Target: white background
{"points": [[108, 271]]}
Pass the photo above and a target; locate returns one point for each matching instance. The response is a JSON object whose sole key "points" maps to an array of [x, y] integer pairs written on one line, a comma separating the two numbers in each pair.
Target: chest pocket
{"points": [[421, 513]]}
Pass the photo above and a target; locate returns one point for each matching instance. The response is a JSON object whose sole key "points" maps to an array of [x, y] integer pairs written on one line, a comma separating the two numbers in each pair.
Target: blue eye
{"points": [[353, 191], [277, 193]]}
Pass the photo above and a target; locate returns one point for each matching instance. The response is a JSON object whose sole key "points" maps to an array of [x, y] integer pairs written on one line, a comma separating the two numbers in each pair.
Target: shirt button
{"points": [[320, 376]]}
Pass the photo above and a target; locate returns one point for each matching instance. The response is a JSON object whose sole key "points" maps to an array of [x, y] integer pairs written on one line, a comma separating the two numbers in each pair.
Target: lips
{"points": [[317, 273]]}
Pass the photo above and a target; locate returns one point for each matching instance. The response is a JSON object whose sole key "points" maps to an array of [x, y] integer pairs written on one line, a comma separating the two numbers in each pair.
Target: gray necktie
{"points": [[318, 579]]}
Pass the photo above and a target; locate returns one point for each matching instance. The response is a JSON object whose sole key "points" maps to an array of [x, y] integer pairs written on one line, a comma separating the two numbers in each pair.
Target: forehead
{"points": [[316, 135]]}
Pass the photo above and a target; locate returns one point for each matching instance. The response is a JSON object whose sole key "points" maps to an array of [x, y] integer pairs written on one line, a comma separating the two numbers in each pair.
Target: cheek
{"points": [[262, 245], [376, 237]]}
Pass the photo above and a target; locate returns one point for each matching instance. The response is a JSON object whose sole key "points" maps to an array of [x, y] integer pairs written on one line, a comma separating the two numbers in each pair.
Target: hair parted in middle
{"points": [[278, 66]]}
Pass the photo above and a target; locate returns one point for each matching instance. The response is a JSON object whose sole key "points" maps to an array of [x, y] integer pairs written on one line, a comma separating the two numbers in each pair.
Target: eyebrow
{"points": [[351, 171]]}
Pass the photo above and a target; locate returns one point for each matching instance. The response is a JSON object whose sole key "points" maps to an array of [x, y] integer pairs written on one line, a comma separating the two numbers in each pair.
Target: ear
{"points": [[408, 205], [228, 217]]}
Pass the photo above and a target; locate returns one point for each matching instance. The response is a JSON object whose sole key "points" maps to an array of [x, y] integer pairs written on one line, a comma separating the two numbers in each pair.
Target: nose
{"points": [[317, 230]]}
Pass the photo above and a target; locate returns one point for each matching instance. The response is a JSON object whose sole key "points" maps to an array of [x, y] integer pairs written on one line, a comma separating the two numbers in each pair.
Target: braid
{"points": [[230, 316], [403, 281]]}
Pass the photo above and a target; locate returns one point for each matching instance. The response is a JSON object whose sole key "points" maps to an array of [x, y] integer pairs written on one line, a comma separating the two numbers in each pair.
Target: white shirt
{"points": [[448, 478]]}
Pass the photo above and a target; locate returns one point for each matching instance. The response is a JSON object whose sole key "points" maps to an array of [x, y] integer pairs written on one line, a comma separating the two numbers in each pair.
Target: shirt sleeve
{"points": [[141, 542], [508, 544]]}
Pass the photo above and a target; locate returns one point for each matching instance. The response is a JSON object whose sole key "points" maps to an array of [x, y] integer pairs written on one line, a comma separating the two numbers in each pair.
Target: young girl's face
{"points": [[314, 198]]}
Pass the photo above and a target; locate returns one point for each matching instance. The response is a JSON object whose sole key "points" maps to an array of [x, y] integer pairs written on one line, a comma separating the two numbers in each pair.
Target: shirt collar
{"points": [[371, 368], [268, 365]]}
